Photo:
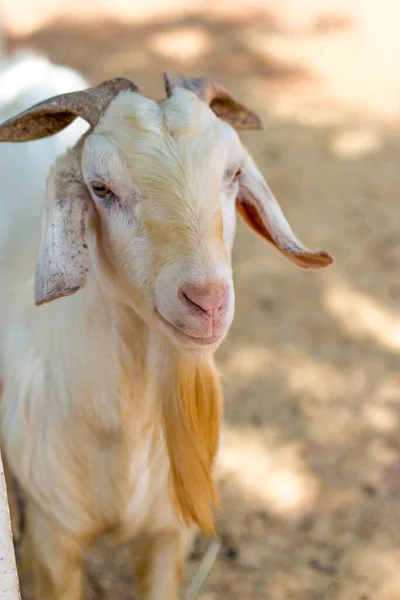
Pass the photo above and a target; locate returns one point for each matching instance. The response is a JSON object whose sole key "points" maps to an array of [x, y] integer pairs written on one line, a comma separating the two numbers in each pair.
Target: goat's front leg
{"points": [[161, 567], [50, 558]]}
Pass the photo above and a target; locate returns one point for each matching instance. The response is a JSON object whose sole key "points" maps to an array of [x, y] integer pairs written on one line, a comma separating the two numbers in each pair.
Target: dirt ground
{"points": [[310, 465]]}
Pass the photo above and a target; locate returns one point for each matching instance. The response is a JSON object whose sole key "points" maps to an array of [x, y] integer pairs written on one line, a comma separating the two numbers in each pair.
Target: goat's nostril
{"points": [[190, 301], [209, 297]]}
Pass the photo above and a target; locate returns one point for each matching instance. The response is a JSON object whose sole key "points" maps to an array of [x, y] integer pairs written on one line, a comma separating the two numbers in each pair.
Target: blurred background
{"points": [[310, 465]]}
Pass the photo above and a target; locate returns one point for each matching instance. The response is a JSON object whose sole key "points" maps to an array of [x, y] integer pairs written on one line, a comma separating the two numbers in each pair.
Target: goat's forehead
{"points": [[130, 118], [175, 146]]}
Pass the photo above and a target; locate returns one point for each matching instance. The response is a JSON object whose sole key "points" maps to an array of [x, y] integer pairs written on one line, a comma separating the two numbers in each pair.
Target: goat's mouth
{"points": [[208, 343]]}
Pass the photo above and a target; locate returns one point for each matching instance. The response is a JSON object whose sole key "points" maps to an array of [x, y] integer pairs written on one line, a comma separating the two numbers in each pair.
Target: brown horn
{"points": [[218, 98], [53, 115]]}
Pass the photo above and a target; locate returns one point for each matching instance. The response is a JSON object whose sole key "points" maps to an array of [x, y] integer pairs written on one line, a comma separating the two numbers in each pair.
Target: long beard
{"points": [[191, 416]]}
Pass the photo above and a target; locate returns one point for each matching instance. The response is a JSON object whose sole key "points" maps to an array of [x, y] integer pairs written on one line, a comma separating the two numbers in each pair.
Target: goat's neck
{"points": [[158, 389]]}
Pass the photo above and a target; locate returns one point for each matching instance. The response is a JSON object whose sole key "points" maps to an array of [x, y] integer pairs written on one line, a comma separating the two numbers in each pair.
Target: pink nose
{"points": [[207, 299]]}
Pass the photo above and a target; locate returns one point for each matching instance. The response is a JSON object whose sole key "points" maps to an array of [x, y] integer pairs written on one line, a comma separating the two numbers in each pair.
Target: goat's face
{"points": [[164, 180], [162, 183]]}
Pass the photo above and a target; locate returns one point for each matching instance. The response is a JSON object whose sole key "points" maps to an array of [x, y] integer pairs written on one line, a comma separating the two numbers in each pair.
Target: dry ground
{"points": [[310, 465]]}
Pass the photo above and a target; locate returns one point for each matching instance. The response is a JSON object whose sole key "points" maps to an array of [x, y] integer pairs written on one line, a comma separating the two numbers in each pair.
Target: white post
{"points": [[9, 585]]}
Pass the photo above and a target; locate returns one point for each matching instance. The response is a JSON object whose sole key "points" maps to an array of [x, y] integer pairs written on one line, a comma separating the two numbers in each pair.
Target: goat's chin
{"points": [[187, 343]]}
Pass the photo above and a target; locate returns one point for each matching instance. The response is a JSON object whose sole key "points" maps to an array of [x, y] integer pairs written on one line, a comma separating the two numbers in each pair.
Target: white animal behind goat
{"points": [[111, 406], [26, 78]]}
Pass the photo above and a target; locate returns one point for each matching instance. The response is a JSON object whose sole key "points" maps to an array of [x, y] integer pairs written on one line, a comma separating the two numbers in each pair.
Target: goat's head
{"points": [[159, 184]]}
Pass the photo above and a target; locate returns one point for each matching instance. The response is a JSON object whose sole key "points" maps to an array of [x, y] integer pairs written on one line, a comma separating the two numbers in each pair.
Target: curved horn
{"points": [[218, 98], [53, 115]]}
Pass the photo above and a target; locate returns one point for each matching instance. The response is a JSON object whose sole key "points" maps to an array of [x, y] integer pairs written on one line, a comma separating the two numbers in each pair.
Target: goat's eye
{"points": [[100, 190], [237, 175], [232, 176]]}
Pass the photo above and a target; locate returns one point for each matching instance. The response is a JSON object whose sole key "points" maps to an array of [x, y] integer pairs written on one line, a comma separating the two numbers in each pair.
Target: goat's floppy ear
{"points": [[258, 207], [53, 115], [63, 261], [219, 100]]}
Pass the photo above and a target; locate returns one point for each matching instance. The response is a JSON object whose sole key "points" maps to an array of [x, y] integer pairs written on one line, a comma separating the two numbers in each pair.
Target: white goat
{"points": [[111, 405]]}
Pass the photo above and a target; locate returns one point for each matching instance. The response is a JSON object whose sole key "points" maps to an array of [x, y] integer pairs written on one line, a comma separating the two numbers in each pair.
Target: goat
{"points": [[111, 407]]}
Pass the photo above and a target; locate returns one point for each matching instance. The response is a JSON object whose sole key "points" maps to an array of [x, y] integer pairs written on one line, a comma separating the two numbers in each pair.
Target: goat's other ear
{"points": [[260, 210], [219, 100], [53, 115], [63, 262]]}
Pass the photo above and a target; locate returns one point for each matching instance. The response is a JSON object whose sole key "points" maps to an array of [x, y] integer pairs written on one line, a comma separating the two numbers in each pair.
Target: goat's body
{"points": [[79, 425], [78, 419], [83, 440]]}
